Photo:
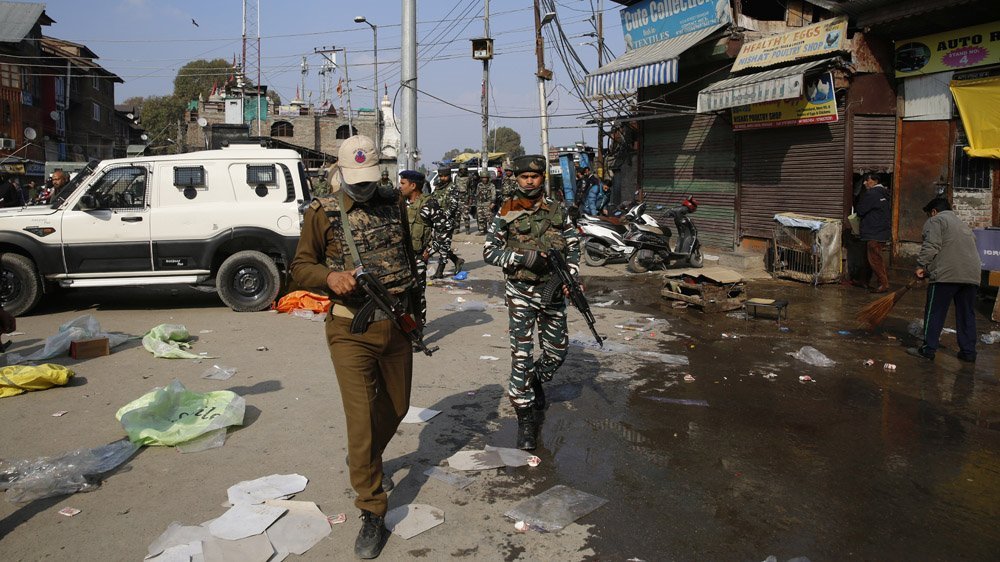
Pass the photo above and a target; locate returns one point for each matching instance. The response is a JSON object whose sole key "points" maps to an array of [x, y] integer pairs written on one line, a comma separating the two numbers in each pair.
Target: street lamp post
{"points": [[543, 74], [375, 107]]}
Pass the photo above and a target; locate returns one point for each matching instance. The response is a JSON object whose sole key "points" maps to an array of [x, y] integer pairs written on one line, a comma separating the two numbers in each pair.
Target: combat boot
{"points": [[459, 262], [536, 385], [527, 428], [439, 274]]}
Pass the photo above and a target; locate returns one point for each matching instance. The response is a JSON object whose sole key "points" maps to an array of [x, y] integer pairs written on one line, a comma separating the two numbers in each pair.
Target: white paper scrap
{"points": [[511, 457], [408, 521], [245, 520], [273, 487], [251, 549], [475, 460], [419, 415], [300, 529], [448, 477]]}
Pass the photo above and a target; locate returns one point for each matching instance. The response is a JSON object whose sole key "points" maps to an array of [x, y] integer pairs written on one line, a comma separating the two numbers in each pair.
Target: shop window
{"points": [[282, 129], [96, 112]]}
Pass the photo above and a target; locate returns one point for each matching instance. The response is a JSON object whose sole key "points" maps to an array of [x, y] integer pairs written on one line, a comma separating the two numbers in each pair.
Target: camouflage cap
{"points": [[529, 163]]}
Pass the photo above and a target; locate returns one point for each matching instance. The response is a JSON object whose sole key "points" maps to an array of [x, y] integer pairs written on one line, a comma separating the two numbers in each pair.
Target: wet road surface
{"points": [[863, 463]]}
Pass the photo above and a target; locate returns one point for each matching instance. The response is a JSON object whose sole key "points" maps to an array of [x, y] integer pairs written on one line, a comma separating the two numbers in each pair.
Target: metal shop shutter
{"points": [[693, 155], [791, 169], [873, 143]]}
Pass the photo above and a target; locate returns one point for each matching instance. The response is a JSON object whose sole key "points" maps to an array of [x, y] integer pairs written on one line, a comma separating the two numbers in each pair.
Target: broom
{"points": [[875, 312]]}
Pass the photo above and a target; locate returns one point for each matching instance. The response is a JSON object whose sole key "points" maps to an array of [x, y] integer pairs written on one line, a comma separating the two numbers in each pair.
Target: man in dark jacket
{"points": [[949, 259], [875, 210]]}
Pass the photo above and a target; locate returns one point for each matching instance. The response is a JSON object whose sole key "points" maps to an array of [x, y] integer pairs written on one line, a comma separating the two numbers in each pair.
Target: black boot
{"points": [[536, 385], [439, 274], [371, 537], [527, 428], [459, 262]]}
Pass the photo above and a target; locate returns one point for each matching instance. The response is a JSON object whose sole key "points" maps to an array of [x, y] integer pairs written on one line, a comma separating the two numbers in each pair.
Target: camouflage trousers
{"points": [[465, 215], [441, 244], [525, 308], [421, 289], [484, 216]]}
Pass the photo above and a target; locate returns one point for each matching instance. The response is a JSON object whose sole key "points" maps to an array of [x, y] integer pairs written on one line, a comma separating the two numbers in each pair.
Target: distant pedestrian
{"points": [[875, 209], [10, 193], [949, 259]]}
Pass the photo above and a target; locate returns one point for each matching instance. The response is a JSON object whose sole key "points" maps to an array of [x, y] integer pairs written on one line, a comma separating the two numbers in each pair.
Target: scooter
{"points": [[652, 242], [602, 241]]}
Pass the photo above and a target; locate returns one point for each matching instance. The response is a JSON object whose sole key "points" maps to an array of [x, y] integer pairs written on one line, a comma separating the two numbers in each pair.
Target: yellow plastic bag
{"points": [[18, 379]]}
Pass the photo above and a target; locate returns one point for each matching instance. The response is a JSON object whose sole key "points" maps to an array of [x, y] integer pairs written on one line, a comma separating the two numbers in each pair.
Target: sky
{"points": [[145, 42]]}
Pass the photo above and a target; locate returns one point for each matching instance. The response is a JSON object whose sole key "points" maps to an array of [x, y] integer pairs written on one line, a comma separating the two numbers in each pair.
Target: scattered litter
{"points": [[586, 341], [301, 528], [475, 460], [408, 521], [726, 336], [462, 305], [256, 548], [219, 373], [69, 511], [604, 304], [459, 292], [785, 329], [812, 356], [844, 332], [262, 348], [470, 393], [245, 520], [59, 414], [488, 358], [206, 331], [521, 527], [689, 378], [419, 415], [209, 440], [84, 327], [916, 328], [869, 362], [174, 414], [337, 519], [178, 535], [889, 367], [18, 379], [487, 336], [990, 338], [771, 376], [534, 461], [644, 325], [273, 487], [805, 378], [302, 313], [74, 471], [681, 401], [511, 457], [555, 508], [948, 331], [168, 341], [449, 478], [678, 304], [461, 276]]}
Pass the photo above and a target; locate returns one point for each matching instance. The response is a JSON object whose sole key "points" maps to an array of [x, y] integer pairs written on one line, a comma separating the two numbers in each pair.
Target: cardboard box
{"points": [[86, 349]]}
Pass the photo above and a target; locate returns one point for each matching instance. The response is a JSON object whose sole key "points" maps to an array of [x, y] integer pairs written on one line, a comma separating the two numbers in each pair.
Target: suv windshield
{"points": [[68, 189]]}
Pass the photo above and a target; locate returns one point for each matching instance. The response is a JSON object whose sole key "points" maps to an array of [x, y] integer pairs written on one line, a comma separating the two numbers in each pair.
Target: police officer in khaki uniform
{"points": [[526, 227], [360, 225]]}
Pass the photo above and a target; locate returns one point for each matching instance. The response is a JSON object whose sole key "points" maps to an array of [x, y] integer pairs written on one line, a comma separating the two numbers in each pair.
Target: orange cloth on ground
{"points": [[303, 300]]}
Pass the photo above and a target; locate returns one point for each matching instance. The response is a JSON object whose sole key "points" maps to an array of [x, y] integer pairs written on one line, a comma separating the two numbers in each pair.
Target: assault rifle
{"points": [[559, 266], [394, 309]]}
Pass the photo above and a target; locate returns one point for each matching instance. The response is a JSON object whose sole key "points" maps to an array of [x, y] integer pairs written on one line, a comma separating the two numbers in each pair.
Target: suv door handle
{"points": [[131, 219]]}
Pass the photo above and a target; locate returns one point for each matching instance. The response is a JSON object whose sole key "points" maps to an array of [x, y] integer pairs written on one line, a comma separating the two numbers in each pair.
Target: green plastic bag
{"points": [[169, 341], [175, 415]]}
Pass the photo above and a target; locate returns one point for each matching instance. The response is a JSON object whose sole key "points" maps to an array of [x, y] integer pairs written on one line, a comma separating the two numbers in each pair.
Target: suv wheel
{"points": [[248, 281], [20, 288]]}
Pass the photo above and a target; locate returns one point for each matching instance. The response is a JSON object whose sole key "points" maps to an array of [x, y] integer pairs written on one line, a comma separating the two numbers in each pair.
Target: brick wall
{"points": [[974, 206]]}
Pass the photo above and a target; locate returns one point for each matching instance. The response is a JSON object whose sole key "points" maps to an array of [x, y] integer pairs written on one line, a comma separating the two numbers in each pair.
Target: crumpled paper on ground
{"points": [[169, 341], [175, 415], [85, 327], [19, 379]]}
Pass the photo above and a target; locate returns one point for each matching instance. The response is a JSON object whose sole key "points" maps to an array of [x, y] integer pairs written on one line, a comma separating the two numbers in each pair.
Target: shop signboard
{"points": [[968, 47], [651, 21], [823, 38], [988, 244], [12, 168], [817, 104]]}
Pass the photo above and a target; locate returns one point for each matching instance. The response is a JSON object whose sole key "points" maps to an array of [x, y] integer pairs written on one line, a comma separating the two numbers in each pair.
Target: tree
{"points": [[134, 102], [199, 77], [158, 116], [505, 139]]}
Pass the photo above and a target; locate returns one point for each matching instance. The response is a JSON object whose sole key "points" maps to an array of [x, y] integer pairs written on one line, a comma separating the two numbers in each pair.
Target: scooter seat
{"points": [[604, 223]]}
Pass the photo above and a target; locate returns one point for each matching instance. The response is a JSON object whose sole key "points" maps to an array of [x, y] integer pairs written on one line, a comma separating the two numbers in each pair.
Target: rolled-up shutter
{"points": [[791, 169], [693, 155], [873, 144]]}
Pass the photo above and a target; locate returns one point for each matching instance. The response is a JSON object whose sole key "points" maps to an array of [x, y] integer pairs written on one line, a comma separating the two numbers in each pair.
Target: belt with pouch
{"points": [[362, 316]]}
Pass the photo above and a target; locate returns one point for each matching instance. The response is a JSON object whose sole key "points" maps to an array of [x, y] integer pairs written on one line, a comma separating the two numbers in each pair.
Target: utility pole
{"points": [[543, 74], [484, 158], [409, 153], [326, 52], [600, 102], [305, 72]]}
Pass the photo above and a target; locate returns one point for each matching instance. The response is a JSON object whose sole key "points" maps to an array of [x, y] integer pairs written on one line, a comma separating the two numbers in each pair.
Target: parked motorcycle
{"points": [[602, 241], [652, 241]]}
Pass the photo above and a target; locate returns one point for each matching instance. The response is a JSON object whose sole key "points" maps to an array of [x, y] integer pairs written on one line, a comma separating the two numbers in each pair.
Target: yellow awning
{"points": [[466, 156], [977, 102]]}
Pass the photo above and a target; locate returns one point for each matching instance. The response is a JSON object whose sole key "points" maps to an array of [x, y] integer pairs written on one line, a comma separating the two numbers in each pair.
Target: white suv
{"points": [[231, 216]]}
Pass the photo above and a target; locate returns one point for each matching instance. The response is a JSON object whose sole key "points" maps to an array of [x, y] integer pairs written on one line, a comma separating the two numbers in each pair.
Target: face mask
{"points": [[532, 194], [360, 192]]}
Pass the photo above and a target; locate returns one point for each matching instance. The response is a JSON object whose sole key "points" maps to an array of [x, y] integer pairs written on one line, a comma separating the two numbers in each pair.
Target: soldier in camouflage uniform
{"points": [[444, 193], [486, 194], [462, 191], [385, 182], [362, 226], [527, 226], [320, 187], [508, 185], [425, 216]]}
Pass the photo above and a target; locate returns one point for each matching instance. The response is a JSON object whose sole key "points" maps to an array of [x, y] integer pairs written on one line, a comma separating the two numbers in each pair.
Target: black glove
{"points": [[535, 262]]}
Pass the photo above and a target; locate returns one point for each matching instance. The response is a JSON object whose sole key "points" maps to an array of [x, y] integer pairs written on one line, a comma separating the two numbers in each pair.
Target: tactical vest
{"points": [[462, 184], [377, 228], [539, 231], [485, 193], [420, 232], [441, 194]]}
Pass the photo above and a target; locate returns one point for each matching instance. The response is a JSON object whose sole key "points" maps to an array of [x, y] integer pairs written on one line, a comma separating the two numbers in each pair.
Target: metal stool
{"points": [[752, 306]]}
